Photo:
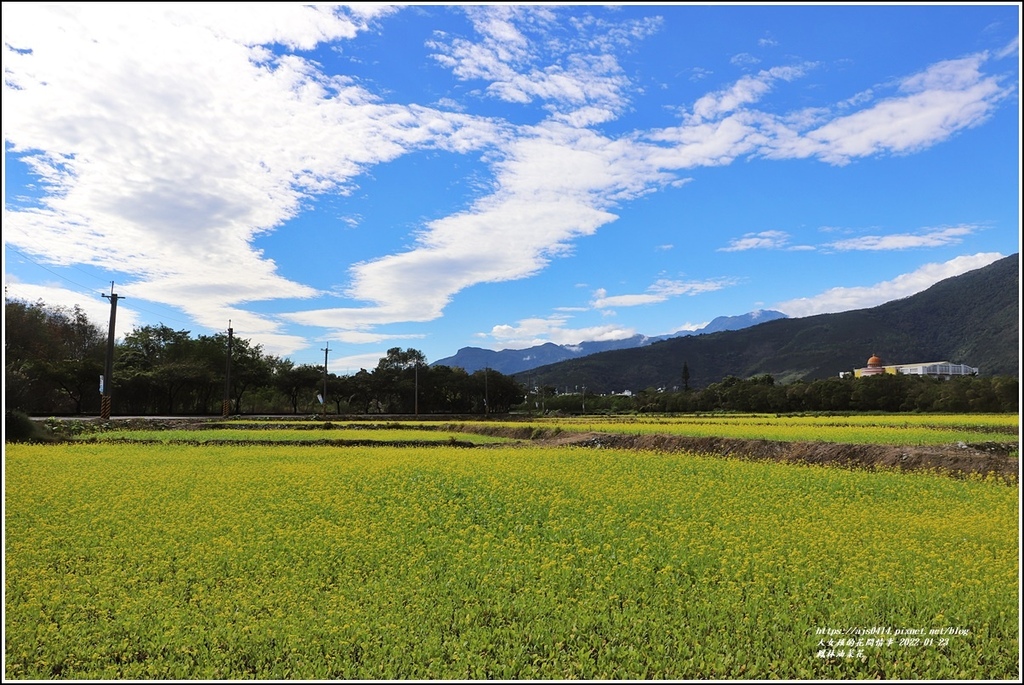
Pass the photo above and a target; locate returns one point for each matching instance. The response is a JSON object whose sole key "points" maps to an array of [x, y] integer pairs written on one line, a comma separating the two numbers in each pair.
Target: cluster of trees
{"points": [[761, 394], [54, 357]]}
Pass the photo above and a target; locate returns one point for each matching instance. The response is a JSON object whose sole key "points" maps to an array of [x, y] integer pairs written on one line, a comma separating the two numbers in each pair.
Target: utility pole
{"points": [[324, 402], [487, 404], [226, 406], [416, 386], [107, 381]]}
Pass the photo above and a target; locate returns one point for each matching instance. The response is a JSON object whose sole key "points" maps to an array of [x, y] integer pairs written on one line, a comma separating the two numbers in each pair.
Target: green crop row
{"points": [[286, 562], [887, 430], [292, 435]]}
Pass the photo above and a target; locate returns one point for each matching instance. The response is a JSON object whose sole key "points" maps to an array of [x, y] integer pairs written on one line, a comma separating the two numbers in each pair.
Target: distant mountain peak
{"points": [[971, 319], [735, 323], [516, 361]]}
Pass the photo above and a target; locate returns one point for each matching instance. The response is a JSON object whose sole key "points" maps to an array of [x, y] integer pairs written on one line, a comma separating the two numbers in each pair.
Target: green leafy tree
{"points": [[499, 392], [395, 379], [154, 364], [250, 368], [297, 383], [53, 358]]}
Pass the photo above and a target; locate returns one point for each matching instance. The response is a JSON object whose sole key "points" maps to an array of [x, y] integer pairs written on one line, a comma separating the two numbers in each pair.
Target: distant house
{"points": [[944, 370]]}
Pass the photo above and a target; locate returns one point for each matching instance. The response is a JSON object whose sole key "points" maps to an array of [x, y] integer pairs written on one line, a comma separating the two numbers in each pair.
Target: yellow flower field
{"points": [[889, 429], [273, 562]]}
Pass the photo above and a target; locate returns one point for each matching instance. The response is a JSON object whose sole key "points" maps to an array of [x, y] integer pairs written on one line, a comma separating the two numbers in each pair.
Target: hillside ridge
{"points": [[969, 319]]}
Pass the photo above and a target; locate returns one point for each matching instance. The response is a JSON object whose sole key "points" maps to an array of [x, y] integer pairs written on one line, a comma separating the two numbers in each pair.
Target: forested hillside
{"points": [[970, 319]]}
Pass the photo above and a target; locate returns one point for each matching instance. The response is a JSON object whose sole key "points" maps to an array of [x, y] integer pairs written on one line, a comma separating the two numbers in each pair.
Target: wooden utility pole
{"points": [[107, 381], [226, 405], [324, 402]]}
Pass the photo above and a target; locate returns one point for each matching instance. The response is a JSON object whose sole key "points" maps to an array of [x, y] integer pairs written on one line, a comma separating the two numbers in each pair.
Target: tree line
{"points": [[54, 357], [761, 394]]}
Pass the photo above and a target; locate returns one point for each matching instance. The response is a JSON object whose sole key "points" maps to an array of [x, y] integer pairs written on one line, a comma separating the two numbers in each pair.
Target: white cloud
{"points": [[366, 337], [744, 59], [93, 305], [747, 90], [845, 299], [765, 240], [688, 327], [158, 132], [1011, 48], [351, 364], [551, 188], [934, 104], [577, 78], [699, 73], [660, 291], [537, 331], [937, 237], [776, 240]]}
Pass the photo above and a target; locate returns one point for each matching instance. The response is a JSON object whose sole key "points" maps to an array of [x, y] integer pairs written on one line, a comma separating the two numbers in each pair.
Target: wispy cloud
{"points": [[552, 186], [352, 363], [845, 299], [660, 291], [180, 163], [555, 329], [578, 79], [699, 73], [936, 237], [1011, 48], [746, 91], [765, 240], [930, 106], [365, 337], [744, 59], [779, 240]]}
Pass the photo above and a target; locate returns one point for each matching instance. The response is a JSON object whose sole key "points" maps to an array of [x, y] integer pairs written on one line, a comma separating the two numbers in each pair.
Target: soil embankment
{"points": [[956, 460]]}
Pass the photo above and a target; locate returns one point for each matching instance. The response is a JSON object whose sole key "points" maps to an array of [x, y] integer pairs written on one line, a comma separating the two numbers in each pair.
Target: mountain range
{"points": [[515, 361], [969, 319]]}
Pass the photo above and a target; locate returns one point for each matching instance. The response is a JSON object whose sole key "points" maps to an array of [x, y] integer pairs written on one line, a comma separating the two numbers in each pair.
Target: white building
{"points": [[945, 370]]}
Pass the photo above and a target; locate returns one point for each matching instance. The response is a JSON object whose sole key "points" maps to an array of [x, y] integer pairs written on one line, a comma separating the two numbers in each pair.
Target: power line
{"points": [[49, 270], [160, 316]]}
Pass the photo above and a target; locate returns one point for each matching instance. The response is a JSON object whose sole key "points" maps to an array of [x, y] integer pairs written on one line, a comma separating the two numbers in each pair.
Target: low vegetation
{"points": [[851, 429]]}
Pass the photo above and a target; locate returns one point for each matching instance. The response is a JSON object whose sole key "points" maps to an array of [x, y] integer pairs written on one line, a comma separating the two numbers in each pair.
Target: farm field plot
{"points": [[891, 429], [505, 562], [246, 435]]}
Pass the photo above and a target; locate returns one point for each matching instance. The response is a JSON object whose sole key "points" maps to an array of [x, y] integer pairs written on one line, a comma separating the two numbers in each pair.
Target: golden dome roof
{"points": [[875, 360]]}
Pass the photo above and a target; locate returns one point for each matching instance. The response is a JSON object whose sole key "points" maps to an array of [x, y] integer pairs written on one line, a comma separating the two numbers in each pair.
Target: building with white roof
{"points": [[944, 370]]}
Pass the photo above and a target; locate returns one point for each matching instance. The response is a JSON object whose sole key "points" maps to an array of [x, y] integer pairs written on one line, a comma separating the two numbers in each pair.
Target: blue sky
{"points": [[441, 176]]}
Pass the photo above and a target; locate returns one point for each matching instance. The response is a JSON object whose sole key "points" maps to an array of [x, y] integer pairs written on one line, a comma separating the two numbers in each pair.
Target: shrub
{"points": [[18, 427]]}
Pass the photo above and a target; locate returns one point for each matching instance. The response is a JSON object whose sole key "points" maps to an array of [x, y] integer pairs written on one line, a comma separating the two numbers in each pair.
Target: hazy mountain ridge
{"points": [[968, 319], [516, 361]]}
